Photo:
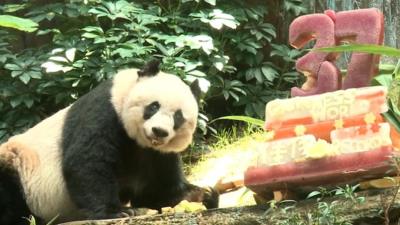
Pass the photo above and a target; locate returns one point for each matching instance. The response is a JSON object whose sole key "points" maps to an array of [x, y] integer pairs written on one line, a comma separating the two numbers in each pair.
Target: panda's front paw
{"points": [[210, 197], [118, 215], [207, 195], [128, 211]]}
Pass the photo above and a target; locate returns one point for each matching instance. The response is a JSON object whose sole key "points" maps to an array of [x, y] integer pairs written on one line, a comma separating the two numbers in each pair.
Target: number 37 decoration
{"points": [[362, 26]]}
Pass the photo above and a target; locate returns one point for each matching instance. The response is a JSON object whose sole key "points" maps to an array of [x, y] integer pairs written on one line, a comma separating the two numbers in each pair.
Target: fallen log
{"points": [[379, 207]]}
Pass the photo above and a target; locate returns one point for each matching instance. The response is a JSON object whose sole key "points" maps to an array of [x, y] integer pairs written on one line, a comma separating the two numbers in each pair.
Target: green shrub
{"points": [[228, 45]]}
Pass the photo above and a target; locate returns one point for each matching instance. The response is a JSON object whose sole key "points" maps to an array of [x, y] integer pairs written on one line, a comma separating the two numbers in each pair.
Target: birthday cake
{"points": [[331, 131], [323, 139]]}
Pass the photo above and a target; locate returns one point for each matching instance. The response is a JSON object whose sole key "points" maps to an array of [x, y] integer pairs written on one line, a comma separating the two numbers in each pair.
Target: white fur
{"points": [[172, 94], [37, 156], [123, 82]]}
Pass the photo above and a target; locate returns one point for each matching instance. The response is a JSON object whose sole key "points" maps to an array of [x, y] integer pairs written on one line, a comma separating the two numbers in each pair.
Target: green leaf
{"points": [[197, 73], [70, 54], [269, 73], [90, 35], [384, 80], [16, 73], [268, 28], [372, 49], [295, 6], [239, 90], [14, 102], [28, 102], [234, 95], [75, 84], [394, 92], [387, 67], [211, 2], [93, 29], [18, 23], [247, 48], [159, 46], [99, 40], [10, 8], [392, 119], [396, 110], [246, 119], [258, 75], [314, 193], [25, 78], [220, 19], [249, 74], [219, 65], [226, 94], [47, 31], [52, 220], [35, 74], [236, 83], [123, 52], [291, 76], [10, 66]]}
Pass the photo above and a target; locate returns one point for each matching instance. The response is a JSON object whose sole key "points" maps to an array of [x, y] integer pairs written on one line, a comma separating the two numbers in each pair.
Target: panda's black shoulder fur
{"points": [[92, 118], [99, 156]]}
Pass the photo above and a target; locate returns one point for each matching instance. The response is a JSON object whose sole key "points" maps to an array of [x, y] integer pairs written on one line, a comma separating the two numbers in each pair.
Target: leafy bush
{"points": [[226, 44]]}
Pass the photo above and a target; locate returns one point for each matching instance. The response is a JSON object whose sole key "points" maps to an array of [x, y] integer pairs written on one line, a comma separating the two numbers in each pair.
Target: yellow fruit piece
{"points": [[185, 206], [270, 135], [167, 210], [386, 182], [369, 118], [319, 150], [300, 130], [338, 124], [179, 209]]}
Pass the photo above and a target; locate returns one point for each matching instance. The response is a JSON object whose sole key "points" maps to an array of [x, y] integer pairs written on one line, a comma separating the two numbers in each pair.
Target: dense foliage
{"points": [[229, 45]]}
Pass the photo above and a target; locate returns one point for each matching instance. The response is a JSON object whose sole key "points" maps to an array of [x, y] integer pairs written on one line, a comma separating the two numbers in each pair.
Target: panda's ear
{"points": [[195, 88], [150, 69]]}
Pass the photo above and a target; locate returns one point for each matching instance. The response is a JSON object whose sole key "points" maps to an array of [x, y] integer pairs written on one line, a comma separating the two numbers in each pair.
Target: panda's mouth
{"points": [[154, 141]]}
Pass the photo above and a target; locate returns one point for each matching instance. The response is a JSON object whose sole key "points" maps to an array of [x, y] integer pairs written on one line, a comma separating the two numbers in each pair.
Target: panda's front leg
{"points": [[92, 184], [207, 195], [159, 195], [163, 184]]}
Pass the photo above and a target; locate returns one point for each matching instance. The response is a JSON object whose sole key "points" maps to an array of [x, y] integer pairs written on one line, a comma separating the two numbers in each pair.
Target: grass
{"points": [[324, 212], [227, 147], [229, 155], [224, 140], [32, 220]]}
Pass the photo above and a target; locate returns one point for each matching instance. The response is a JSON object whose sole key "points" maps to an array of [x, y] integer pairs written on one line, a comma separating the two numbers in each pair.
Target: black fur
{"points": [[13, 208], [150, 110], [178, 119], [103, 167], [195, 88], [159, 132], [150, 69]]}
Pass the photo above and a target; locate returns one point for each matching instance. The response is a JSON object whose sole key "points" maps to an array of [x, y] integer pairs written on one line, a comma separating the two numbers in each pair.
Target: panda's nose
{"points": [[159, 132]]}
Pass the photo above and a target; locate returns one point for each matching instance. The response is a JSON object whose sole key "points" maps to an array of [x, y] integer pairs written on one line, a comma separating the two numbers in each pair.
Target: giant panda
{"points": [[118, 143]]}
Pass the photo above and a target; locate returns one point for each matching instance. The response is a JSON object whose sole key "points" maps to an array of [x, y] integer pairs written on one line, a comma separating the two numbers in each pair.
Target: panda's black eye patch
{"points": [[150, 110], [178, 119]]}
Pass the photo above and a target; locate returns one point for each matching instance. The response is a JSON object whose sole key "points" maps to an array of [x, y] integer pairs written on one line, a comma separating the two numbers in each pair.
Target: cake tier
{"points": [[353, 167]]}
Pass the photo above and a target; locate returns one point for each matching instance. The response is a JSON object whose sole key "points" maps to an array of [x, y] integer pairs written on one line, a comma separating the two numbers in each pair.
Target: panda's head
{"points": [[160, 111]]}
